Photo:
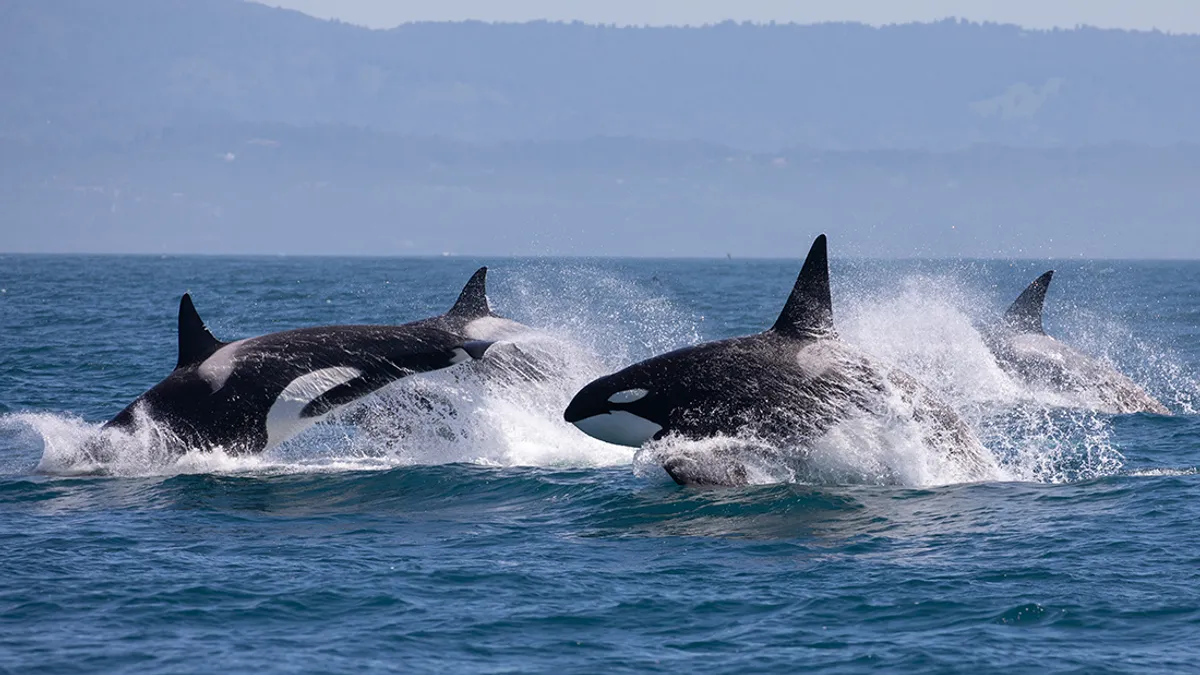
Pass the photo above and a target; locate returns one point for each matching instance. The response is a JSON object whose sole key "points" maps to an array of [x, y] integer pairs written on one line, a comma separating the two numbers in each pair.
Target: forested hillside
{"points": [[82, 68]]}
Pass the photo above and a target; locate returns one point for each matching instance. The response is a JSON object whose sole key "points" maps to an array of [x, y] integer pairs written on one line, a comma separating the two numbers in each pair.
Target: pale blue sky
{"points": [[1177, 16]]}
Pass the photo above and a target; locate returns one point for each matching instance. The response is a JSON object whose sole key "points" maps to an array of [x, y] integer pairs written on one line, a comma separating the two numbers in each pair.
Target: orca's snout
{"points": [[578, 409]]}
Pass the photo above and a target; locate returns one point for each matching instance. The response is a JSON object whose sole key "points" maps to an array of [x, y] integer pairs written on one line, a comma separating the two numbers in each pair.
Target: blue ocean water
{"points": [[494, 537]]}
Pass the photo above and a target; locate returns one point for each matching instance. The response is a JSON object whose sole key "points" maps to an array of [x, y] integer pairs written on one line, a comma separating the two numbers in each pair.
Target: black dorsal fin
{"points": [[809, 309], [195, 342], [1025, 315], [472, 302]]}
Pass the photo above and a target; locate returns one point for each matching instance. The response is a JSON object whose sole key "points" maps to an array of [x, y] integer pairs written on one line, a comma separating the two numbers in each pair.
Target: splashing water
{"points": [[590, 323], [502, 411], [489, 412], [616, 319], [922, 328], [1038, 434], [1051, 445], [900, 438], [74, 447]]}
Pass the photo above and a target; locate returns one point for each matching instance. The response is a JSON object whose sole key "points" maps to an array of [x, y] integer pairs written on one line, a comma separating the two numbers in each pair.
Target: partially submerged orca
{"points": [[789, 385], [472, 318], [1024, 350], [251, 395]]}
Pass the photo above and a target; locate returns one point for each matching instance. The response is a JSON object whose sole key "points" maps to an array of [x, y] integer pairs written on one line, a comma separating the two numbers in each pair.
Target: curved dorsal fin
{"points": [[1025, 315], [472, 302], [195, 342], [809, 309]]}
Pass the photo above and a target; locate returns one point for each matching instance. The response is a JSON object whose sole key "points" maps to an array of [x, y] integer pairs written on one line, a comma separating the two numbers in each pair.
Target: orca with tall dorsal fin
{"points": [[1024, 350], [251, 395], [517, 352], [520, 358], [472, 316], [473, 302], [789, 386], [1025, 314]]}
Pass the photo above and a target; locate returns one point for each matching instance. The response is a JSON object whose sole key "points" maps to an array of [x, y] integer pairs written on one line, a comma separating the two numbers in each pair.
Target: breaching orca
{"points": [[250, 395], [789, 385], [1024, 350]]}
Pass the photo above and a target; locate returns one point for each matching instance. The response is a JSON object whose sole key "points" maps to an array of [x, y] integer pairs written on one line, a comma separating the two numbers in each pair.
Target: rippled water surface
{"points": [[487, 535]]}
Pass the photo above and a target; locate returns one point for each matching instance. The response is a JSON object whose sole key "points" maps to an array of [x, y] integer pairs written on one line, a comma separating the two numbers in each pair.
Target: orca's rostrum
{"points": [[789, 385], [251, 395]]}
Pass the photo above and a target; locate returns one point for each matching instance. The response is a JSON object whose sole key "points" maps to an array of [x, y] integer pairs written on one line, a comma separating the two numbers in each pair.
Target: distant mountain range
{"points": [[222, 126], [88, 70]]}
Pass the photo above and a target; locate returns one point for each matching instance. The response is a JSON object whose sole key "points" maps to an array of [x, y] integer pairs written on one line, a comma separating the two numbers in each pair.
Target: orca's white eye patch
{"points": [[628, 396]]}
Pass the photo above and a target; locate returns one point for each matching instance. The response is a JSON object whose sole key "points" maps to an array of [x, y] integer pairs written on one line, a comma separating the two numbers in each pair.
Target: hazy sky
{"points": [[1177, 16]]}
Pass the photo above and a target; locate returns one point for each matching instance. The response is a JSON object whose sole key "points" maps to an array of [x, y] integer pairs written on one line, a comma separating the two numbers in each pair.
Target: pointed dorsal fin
{"points": [[472, 302], [1025, 315], [195, 342], [809, 309]]}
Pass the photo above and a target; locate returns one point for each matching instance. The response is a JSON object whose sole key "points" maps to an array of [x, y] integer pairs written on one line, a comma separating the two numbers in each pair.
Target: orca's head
{"points": [[673, 393], [694, 392], [625, 408], [708, 388]]}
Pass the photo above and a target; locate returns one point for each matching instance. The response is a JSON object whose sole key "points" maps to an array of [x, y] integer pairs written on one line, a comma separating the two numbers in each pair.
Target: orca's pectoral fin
{"points": [[477, 348], [1025, 314], [196, 343], [472, 302], [341, 395], [809, 309]]}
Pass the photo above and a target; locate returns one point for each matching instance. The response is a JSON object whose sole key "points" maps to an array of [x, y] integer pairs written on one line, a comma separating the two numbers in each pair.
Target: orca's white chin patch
{"points": [[619, 427]]}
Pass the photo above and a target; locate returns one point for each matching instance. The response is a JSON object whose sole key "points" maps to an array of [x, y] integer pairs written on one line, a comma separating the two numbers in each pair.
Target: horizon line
{"points": [[771, 23], [575, 256]]}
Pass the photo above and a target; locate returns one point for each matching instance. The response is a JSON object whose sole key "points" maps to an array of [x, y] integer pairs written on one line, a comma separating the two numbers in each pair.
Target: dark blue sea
{"points": [[492, 537]]}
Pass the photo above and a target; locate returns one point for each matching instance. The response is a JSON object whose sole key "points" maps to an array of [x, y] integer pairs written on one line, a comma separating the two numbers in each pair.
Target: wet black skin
{"points": [[234, 416], [190, 414], [787, 385], [754, 385], [470, 319]]}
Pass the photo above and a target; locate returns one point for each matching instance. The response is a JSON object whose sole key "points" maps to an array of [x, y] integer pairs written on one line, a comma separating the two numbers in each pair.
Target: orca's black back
{"points": [[231, 411]]}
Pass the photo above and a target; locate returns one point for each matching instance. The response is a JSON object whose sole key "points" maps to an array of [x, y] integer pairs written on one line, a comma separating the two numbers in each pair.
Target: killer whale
{"points": [[472, 317], [515, 352], [1023, 350], [250, 395], [520, 359], [790, 384]]}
